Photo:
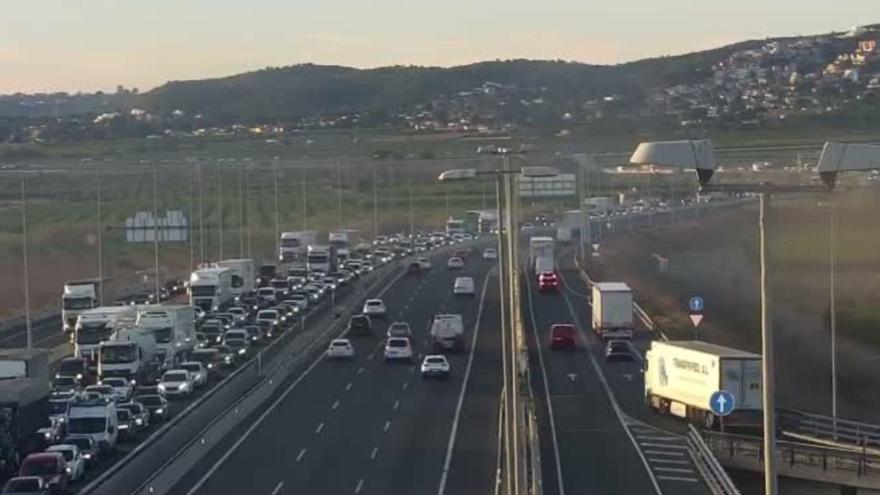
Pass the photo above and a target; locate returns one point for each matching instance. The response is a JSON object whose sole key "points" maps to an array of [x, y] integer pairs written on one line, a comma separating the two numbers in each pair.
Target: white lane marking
{"points": [[677, 478], [387, 425], [553, 433], [611, 399], [360, 484], [657, 439], [441, 489], [405, 385], [374, 452], [660, 452], [663, 445], [669, 461], [335, 405], [371, 356], [277, 488], [301, 454], [360, 370], [674, 470], [412, 369], [280, 398], [397, 404], [348, 387], [319, 428]]}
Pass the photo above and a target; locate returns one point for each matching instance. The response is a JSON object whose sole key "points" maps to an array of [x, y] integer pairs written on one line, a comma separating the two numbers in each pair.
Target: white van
{"points": [[463, 286], [96, 419]]}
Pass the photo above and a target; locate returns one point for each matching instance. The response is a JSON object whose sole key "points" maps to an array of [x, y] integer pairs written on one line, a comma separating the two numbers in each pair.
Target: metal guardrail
{"points": [[801, 460], [710, 469], [839, 432]]}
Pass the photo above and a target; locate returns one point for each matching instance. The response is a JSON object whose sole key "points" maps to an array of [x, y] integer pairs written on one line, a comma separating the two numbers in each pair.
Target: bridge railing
{"points": [[710, 469], [838, 432], [794, 455]]}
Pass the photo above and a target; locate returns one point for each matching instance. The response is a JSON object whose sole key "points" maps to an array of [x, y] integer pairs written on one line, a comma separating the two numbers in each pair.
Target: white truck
{"points": [[322, 259], [94, 326], [447, 333], [340, 240], [680, 378], [129, 353], [244, 274], [211, 288], [612, 310], [600, 204], [173, 327], [78, 296], [293, 247], [539, 247]]}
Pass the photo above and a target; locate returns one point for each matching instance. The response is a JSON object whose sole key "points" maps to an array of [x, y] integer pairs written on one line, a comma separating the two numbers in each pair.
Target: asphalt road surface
{"points": [[366, 426]]}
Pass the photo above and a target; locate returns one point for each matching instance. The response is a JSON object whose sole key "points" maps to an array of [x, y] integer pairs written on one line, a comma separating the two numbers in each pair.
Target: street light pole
{"points": [[201, 218], [375, 206], [767, 363], [240, 215], [156, 232], [220, 212], [305, 200], [277, 225], [100, 241], [24, 262], [339, 194], [833, 309]]}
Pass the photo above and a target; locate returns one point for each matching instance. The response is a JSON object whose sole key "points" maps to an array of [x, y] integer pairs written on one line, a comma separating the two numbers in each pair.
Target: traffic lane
{"points": [[290, 433], [46, 334], [418, 441], [591, 440], [626, 378], [475, 455]]}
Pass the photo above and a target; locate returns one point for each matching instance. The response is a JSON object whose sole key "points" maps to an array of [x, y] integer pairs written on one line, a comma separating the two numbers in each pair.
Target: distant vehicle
{"points": [[612, 313], [527, 226], [266, 273], [269, 319], [76, 465], [243, 275], [76, 367], [26, 485], [97, 325], [322, 259], [455, 262], [211, 289], [198, 372], [127, 426], [548, 282], [238, 344], [65, 383], [138, 412], [618, 350], [435, 366], [103, 391], [399, 329], [425, 263], [78, 296], [490, 254], [681, 377], [210, 359], [95, 419], [156, 406], [374, 308], [122, 388], [562, 336], [360, 325], [50, 466], [541, 248], [415, 268], [294, 247], [87, 448], [176, 383], [464, 286], [268, 294], [172, 327], [398, 349], [340, 349], [447, 333]]}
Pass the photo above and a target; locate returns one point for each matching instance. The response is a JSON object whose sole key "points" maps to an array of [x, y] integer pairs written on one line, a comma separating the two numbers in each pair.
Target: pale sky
{"points": [[49, 45]]}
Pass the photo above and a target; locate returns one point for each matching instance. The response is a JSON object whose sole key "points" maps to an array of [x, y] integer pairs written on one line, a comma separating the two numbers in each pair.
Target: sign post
{"points": [[695, 305]]}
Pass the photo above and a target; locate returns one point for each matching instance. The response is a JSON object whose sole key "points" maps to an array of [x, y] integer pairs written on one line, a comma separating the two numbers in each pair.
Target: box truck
{"points": [[173, 327], [211, 288], [243, 274], [447, 333], [612, 310], [24, 405], [293, 246], [78, 296], [539, 247], [94, 326], [680, 378]]}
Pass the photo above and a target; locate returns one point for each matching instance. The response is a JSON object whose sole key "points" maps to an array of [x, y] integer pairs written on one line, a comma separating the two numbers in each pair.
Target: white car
{"points": [[463, 286], [197, 371], [398, 348], [238, 312], [73, 458], [490, 254], [398, 329], [455, 262], [374, 307], [122, 388], [425, 263], [177, 382], [435, 366], [103, 392], [340, 349]]}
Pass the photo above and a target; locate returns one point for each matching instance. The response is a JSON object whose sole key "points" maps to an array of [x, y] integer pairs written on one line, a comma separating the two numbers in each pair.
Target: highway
{"points": [[367, 426]]}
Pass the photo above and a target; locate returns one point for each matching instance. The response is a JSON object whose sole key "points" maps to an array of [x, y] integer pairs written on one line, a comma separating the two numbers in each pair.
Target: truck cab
{"points": [[128, 354], [78, 296]]}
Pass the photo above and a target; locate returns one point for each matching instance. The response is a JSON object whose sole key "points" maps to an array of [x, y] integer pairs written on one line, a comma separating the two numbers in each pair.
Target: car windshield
{"points": [[118, 354], [67, 453], [114, 382], [174, 377], [22, 486], [150, 400], [86, 425], [435, 360], [398, 343], [65, 381], [193, 368], [619, 346], [340, 344], [123, 415], [58, 406], [71, 367]]}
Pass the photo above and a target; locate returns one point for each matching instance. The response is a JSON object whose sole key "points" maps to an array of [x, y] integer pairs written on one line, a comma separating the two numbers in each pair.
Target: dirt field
{"points": [[716, 259]]}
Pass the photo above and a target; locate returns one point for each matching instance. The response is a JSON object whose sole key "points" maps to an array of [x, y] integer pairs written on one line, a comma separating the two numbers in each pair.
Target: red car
{"points": [[50, 466], [548, 281], [562, 336]]}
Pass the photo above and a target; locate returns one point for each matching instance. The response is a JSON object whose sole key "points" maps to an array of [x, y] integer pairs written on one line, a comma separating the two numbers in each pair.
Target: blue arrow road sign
{"points": [[722, 403], [696, 304]]}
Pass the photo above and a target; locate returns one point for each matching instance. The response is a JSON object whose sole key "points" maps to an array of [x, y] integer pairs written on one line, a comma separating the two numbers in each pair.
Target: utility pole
{"points": [[240, 215], [201, 217], [375, 205], [832, 241], [339, 194], [305, 201], [100, 241], [412, 228], [769, 408], [247, 213], [156, 231], [189, 223], [220, 212], [24, 261], [277, 223]]}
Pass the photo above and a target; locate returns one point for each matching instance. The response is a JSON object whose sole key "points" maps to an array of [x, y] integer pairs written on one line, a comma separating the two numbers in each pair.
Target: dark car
{"points": [[227, 355], [77, 368], [618, 350], [254, 332], [26, 485], [156, 406], [126, 423], [50, 466], [360, 325], [87, 446], [415, 268], [139, 414], [267, 273], [562, 336], [213, 331]]}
